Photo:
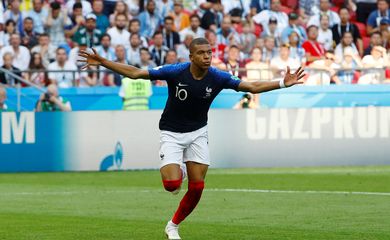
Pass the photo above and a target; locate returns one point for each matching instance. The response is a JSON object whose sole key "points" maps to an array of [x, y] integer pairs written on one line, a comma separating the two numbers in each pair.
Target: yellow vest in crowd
{"points": [[137, 93]]}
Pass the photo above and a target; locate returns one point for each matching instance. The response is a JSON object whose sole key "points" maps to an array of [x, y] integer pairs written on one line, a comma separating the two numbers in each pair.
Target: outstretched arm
{"points": [[259, 87], [94, 59]]}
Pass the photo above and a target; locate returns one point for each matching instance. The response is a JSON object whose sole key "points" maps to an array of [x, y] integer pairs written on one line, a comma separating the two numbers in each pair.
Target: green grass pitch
{"points": [[312, 203]]}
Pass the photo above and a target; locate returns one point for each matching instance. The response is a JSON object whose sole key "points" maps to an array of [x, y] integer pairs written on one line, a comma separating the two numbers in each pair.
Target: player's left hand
{"points": [[293, 79]]}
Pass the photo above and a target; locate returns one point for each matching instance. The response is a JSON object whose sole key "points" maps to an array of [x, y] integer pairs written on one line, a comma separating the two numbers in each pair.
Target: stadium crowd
{"points": [[340, 42]]}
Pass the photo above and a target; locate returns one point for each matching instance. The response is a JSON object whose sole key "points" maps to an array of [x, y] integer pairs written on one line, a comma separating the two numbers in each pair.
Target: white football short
{"points": [[176, 148]]}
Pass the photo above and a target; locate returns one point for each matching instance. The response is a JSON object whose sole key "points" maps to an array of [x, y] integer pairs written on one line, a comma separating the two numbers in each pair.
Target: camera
{"points": [[47, 97], [246, 100]]}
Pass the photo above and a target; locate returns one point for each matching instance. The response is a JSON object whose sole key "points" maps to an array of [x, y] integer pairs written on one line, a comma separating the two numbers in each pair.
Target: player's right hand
{"points": [[90, 59]]}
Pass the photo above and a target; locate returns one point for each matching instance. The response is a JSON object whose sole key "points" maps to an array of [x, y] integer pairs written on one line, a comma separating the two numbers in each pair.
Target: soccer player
{"points": [[191, 89]]}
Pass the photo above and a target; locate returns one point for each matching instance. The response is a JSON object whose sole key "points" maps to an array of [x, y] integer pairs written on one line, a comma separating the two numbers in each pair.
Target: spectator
{"points": [[38, 74], [375, 40], [120, 8], [346, 26], [56, 23], [323, 71], [193, 29], [240, 8], [120, 54], [158, 51], [272, 30], [77, 18], [364, 8], [246, 102], [39, 16], [181, 18], [45, 49], [171, 57], [280, 63], [314, 50], [233, 64], [134, 27], [164, 7], [346, 42], [226, 35], [325, 36], [257, 6], [10, 27], [385, 31], [247, 39], [183, 50], [69, 76], [3, 98], [212, 18], [293, 26], [269, 50], [324, 10], [5, 78], [86, 6], [133, 56], [74, 54], [15, 14], [351, 61], [29, 37], [296, 50], [150, 20], [374, 65], [88, 35], [21, 55], [146, 61], [257, 70], [102, 22], [274, 12], [119, 35], [171, 37], [218, 50], [373, 21], [89, 78], [51, 101], [105, 50], [134, 7], [308, 8]]}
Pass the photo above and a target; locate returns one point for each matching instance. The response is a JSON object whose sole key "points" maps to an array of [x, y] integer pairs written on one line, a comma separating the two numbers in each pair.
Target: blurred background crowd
{"points": [[338, 42]]}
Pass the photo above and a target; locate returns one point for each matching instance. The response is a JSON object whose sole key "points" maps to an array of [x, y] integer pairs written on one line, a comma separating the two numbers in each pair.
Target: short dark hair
{"points": [[157, 33], [195, 16], [144, 49], [55, 5], [44, 35], [28, 18], [376, 33], [168, 18], [77, 5], [310, 27], [198, 41], [134, 20], [106, 35], [61, 48]]}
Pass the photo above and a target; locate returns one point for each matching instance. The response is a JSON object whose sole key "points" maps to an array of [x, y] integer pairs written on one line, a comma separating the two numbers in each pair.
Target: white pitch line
{"points": [[207, 190]]}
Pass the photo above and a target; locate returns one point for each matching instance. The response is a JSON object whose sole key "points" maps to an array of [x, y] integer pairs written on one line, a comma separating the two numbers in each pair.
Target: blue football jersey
{"points": [[189, 99]]}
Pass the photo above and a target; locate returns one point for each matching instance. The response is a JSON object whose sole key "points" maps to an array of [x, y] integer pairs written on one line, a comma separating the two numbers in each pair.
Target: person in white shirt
{"points": [[63, 79], [324, 10], [87, 8], [21, 55], [275, 12], [325, 35], [374, 65], [346, 42], [183, 50], [193, 29], [133, 55], [119, 34], [280, 62]]}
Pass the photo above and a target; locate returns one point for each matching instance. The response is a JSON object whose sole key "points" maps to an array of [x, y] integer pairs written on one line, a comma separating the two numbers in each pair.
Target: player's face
{"points": [[201, 56]]}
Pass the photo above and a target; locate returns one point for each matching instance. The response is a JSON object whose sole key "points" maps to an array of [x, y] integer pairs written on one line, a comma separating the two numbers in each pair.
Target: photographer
{"points": [[247, 101], [52, 102]]}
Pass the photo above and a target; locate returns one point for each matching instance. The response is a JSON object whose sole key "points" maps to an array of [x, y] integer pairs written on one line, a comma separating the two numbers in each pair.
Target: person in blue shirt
{"points": [[376, 16], [192, 87]]}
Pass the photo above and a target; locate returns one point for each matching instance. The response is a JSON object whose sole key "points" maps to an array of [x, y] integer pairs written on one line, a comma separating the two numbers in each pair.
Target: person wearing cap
{"points": [[88, 35], [293, 26], [275, 11], [346, 26], [272, 30], [373, 21]]}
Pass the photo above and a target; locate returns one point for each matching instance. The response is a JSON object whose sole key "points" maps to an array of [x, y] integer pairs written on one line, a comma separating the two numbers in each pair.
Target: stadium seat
{"points": [[366, 42], [338, 3], [286, 10], [335, 9], [258, 29], [362, 29], [290, 3]]}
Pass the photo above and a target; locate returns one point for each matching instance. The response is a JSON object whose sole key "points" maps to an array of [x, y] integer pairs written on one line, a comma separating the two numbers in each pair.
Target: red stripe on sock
{"points": [[189, 201]]}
